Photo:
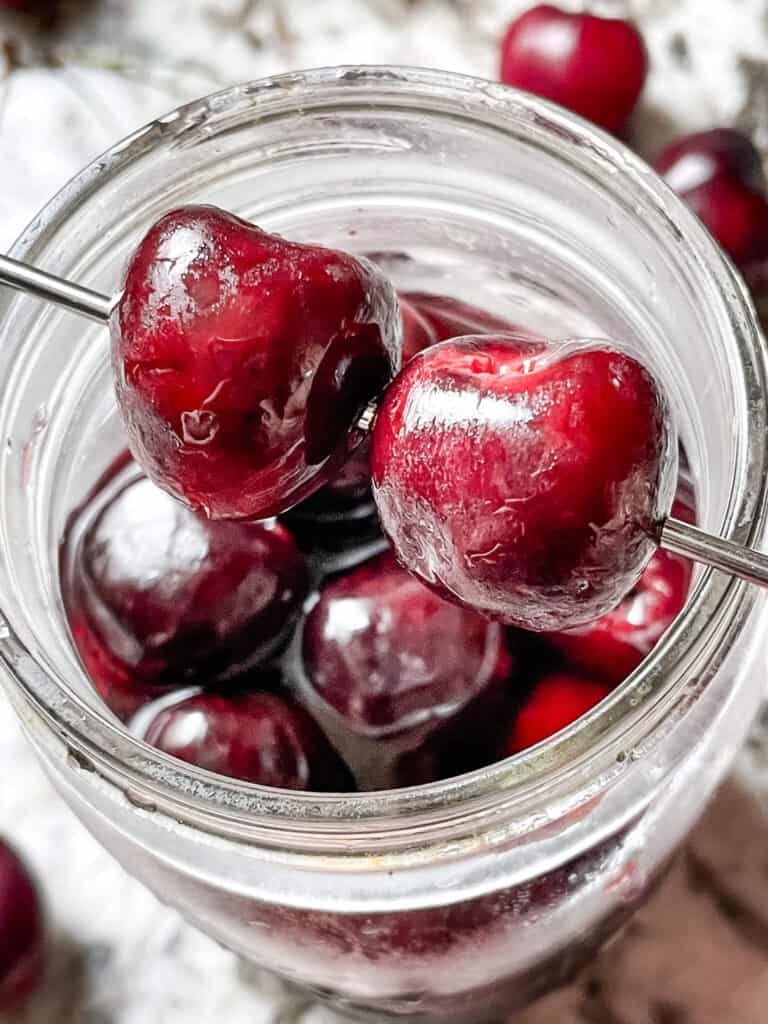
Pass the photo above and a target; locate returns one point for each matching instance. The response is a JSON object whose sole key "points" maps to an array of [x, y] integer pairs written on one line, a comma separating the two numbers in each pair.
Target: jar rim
{"points": [[510, 786]]}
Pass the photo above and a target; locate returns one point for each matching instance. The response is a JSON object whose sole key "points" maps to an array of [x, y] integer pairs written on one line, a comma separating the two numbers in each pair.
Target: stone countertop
{"points": [[74, 83]]}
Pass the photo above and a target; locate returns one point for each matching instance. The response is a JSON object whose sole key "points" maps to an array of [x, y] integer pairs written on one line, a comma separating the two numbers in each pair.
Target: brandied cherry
{"points": [[243, 361], [557, 700], [158, 596], [257, 737], [593, 66], [468, 740], [719, 175], [388, 654], [524, 481], [22, 932]]}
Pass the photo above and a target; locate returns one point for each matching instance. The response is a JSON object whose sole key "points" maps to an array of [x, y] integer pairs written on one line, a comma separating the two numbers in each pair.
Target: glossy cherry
{"points": [[593, 66], [22, 932], [557, 700], [469, 739], [388, 654], [243, 361], [615, 644], [257, 737], [158, 596], [719, 175], [524, 481]]}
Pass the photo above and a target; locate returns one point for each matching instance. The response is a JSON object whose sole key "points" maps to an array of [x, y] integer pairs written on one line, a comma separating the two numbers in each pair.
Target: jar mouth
{"points": [[643, 709]]}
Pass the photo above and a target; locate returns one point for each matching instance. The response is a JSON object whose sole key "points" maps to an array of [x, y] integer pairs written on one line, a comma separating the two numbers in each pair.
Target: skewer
{"points": [[676, 536], [54, 289]]}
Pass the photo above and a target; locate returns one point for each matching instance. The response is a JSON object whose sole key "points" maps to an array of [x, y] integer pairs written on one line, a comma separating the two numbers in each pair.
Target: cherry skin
{"points": [[242, 361], [614, 645], [594, 66], [469, 739], [557, 700], [388, 654], [257, 737], [158, 596], [526, 482], [118, 687], [719, 175], [22, 932]]}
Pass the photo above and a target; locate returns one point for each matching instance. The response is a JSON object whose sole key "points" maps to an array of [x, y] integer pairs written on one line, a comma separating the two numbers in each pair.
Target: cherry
{"points": [[523, 481], [388, 654], [257, 737], [470, 738], [243, 361], [614, 645], [557, 700], [158, 596], [719, 175], [593, 66], [22, 932], [118, 687]]}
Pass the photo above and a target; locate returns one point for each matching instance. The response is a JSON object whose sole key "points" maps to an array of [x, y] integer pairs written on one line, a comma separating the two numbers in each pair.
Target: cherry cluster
{"points": [[364, 539]]}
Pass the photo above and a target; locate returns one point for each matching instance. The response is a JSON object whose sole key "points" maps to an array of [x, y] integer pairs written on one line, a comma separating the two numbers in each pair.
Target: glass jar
{"points": [[450, 900]]}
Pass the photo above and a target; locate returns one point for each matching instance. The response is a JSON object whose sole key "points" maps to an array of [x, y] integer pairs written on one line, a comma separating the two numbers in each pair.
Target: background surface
{"points": [[68, 89]]}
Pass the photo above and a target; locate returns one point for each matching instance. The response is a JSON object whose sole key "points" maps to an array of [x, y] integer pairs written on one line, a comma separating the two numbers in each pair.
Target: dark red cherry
{"points": [[452, 318], [593, 66], [719, 175], [524, 481], [469, 739], [243, 361], [557, 700], [696, 159], [120, 689], [257, 737], [388, 654], [614, 645], [158, 596], [22, 932]]}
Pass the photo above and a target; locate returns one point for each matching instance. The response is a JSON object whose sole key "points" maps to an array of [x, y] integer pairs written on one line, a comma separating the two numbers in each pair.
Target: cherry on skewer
{"points": [[664, 530]]}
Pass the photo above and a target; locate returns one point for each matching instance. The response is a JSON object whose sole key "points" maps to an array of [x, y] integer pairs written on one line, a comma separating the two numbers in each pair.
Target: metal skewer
{"points": [[691, 542], [676, 536], [55, 289]]}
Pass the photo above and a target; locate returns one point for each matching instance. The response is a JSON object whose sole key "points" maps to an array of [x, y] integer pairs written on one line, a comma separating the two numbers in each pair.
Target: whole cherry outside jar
{"points": [[450, 901]]}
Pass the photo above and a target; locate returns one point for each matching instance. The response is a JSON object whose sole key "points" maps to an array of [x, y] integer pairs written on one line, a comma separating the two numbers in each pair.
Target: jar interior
{"points": [[511, 213]]}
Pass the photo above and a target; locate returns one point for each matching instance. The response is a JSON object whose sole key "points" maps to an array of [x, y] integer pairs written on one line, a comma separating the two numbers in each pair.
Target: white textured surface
{"points": [[120, 957]]}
